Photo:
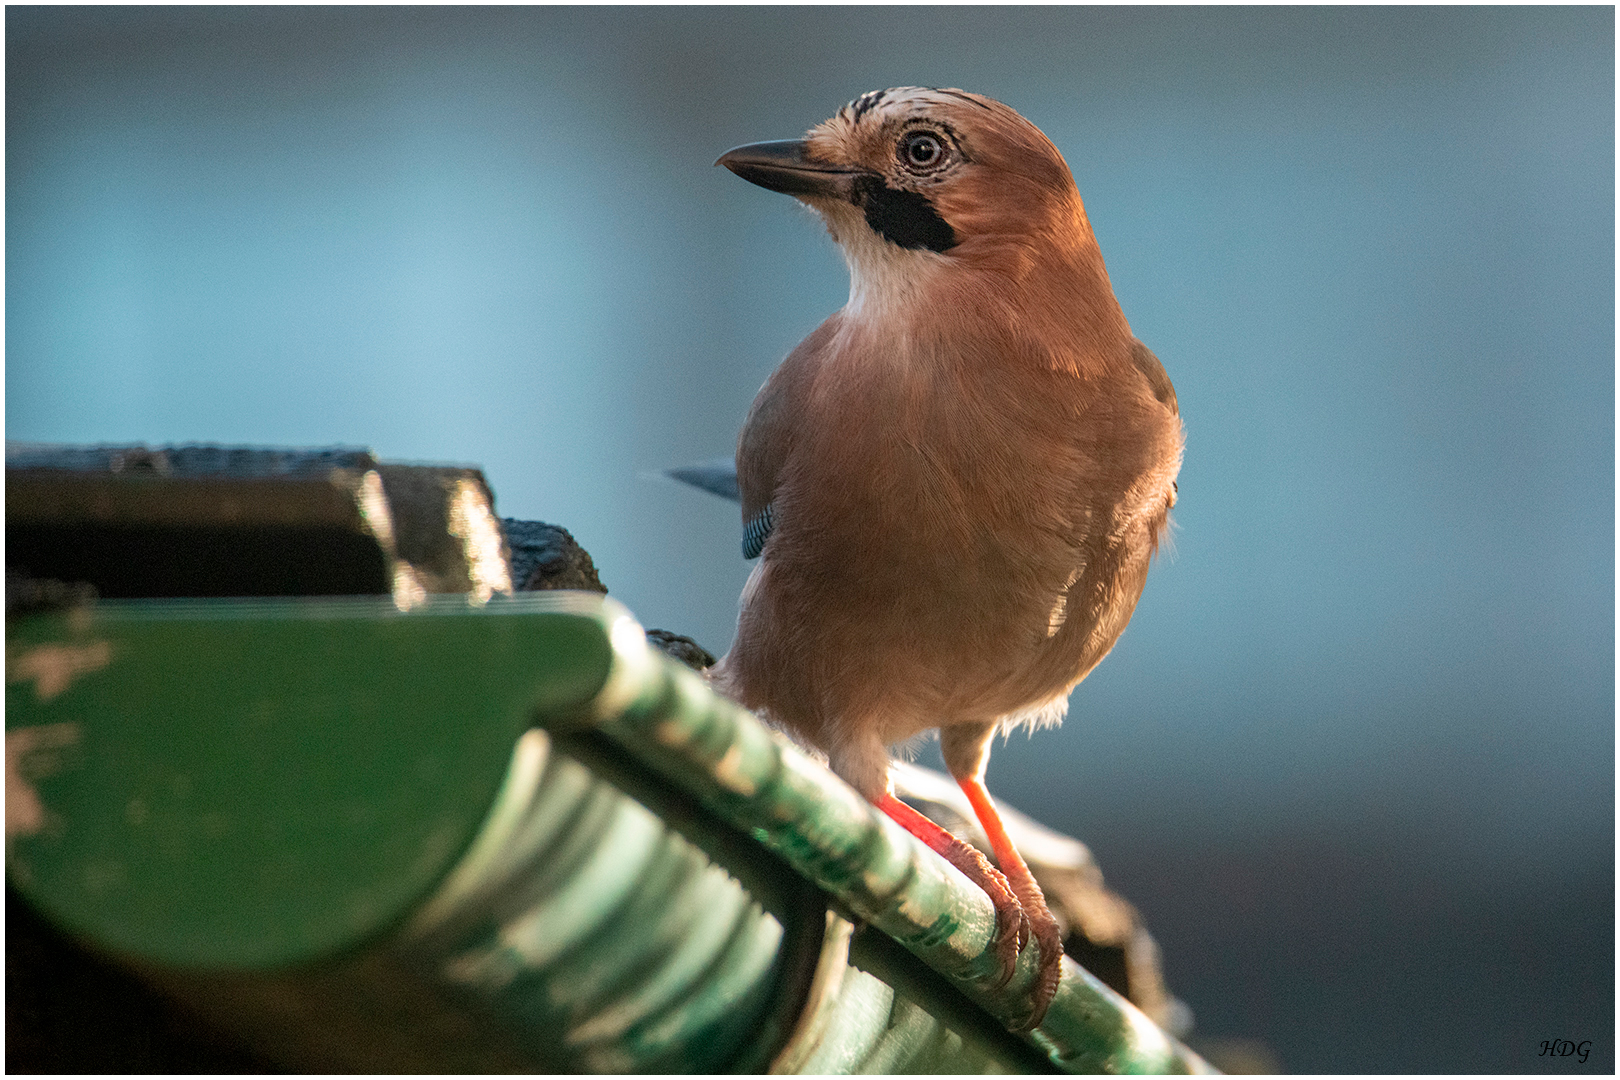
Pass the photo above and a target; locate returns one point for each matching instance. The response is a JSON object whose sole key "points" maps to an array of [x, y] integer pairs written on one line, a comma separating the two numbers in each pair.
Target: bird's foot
{"points": [[1043, 925], [1048, 939], [1012, 922], [1012, 927], [1021, 916]]}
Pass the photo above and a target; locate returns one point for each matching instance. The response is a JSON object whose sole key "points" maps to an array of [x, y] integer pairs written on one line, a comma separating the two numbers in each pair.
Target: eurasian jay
{"points": [[956, 483]]}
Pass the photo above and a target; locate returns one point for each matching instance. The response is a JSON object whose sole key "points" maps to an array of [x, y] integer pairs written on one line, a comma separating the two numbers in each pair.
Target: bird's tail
{"points": [[717, 476]]}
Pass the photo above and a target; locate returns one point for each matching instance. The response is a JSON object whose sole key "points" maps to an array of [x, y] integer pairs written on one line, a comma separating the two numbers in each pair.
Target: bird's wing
{"points": [[1154, 372], [1159, 380], [771, 433]]}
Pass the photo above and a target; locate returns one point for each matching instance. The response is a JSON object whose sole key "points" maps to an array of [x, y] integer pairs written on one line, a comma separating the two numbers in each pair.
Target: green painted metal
{"points": [[869, 1013], [309, 817], [604, 940], [328, 759]]}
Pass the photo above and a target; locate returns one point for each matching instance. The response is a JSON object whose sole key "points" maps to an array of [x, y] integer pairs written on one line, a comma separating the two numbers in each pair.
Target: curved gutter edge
{"points": [[667, 717]]}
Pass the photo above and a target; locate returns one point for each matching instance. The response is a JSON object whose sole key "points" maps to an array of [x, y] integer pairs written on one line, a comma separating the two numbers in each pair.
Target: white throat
{"points": [[884, 278]]}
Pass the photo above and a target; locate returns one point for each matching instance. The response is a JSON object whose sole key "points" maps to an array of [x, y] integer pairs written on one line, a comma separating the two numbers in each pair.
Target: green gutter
{"points": [[308, 818]]}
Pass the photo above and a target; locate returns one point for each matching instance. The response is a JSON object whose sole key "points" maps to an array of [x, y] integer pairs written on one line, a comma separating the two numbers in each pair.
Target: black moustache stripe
{"points": [[903, 217]]}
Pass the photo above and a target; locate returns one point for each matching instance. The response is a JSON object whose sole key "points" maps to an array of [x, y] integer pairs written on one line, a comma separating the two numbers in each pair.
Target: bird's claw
{"points": [[1048, 939], [1012, 925], [1020, 920], [1020, 907]]}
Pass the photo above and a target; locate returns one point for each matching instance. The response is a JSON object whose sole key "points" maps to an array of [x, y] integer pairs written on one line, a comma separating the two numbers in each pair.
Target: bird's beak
{"points": [[784, 166]]}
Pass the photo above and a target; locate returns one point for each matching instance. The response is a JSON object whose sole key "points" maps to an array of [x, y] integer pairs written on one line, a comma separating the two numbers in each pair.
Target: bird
{"points": [[955, 484]]}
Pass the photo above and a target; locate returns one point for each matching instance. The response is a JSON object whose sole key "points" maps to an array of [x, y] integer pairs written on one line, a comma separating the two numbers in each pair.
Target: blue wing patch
{"points": [[758, 530]]}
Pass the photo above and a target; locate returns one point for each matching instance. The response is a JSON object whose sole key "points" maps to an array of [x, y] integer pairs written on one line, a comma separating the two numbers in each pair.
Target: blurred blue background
{"points": [[1354, 758]]}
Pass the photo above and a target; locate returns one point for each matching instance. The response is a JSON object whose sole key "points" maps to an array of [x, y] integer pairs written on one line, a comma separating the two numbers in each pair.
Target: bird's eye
{"points": [[922, 150]]}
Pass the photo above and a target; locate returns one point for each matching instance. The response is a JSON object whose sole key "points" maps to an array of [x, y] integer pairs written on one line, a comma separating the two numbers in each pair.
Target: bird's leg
{"points": [[1042, 923], [863, 762], [1012, 929], [966, 748]]}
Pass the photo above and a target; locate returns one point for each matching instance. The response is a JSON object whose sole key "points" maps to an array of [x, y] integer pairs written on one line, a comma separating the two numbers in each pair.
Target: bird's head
{"points": [[914, 179]]}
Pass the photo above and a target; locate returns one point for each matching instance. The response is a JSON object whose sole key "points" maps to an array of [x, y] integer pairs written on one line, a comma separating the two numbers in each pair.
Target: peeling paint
{"points": [[373, 504], [54, 667], [730, 774], [475, 526], [409, 592], [29, 757]]}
